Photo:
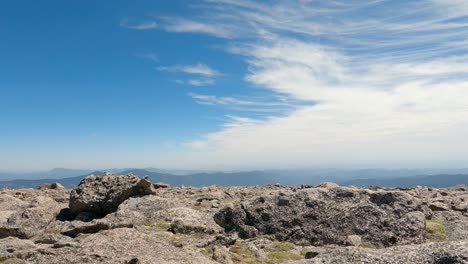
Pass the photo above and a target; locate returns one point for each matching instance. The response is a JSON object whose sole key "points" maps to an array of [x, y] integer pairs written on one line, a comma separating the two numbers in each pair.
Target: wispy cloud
{"points": [[388, 87], [200, 82], [138, 25], [182, 25], [197, 69], [206, 74]]}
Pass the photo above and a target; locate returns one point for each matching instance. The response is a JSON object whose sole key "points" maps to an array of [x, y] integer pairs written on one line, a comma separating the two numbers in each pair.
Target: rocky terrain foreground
{"points": [[125, 219]]}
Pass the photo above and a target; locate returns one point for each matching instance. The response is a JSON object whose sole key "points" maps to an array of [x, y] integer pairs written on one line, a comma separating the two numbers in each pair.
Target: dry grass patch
{"points": [[435, 230]]}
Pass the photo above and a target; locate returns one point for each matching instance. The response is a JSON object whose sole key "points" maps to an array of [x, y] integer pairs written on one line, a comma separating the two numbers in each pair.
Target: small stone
{"points": [[56, 186], [438, 206], [134, 261], [260, 255], [327, 185], [161, 185], [221, 255], [311, 254], [353, 240]]}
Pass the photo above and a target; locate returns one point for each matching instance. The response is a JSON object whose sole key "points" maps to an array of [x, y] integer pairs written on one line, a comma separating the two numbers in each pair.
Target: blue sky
{"points": [[224, 84]]}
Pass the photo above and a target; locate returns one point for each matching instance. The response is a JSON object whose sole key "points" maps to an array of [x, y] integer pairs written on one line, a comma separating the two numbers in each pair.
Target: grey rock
{"points": [[431, 253], [27, 216], [102, 195], [328, 216], [327, 185], [120, 246], [353, 240], [12, 247], [52, 238], [221, 255], [52, 186], [161, 185]]}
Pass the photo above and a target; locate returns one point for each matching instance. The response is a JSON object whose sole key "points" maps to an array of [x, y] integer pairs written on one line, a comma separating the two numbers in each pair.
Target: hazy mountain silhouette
{"points": [[401, 178]]}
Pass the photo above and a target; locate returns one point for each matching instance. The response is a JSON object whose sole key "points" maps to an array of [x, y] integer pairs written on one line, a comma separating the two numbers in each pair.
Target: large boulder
{"points": [[24, 214], [451, 252], [321, 216], [122, 245], [103, 194]]}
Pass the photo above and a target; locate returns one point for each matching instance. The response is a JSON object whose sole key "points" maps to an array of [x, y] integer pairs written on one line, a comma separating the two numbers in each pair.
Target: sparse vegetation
{"points": [[207, 251], [179, 239], [159, 224], [240, 254], [435, 229], [278, 253], [281, 252], [5, 260]]}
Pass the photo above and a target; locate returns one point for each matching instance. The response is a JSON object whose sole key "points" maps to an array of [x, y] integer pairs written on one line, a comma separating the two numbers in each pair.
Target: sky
{"points": [[233, 84]]}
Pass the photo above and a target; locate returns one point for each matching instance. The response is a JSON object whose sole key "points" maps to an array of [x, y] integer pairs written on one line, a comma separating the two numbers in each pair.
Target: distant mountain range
{"points": [[397, 178]]}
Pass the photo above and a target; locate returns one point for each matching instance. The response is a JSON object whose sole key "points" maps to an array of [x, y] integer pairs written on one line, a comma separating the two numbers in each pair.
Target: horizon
{"points": [[223, 85]]}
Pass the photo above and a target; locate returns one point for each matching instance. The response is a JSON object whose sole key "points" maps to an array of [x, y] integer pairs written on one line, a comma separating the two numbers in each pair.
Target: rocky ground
{"points": [[125, 219]]}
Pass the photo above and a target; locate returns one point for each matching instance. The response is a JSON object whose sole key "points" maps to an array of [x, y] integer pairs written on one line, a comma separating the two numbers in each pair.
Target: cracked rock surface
{"points": [[124, 219]]}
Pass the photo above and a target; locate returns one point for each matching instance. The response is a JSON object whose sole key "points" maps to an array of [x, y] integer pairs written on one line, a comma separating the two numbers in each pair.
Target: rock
{"points": [[323, 216], [277, 184], [161, 185], [438, 253], [461, 206], [311, 254], [61, 244], [353, 240], [438, 206], [12, 247], [221, 255], [260, 255], [52, 186], [52, 238], [11, 244], [186, 221], [86, 216], [344, 225], [56, 185], [111, 221], [102, 195], [133, 261], [120, 246], [327, 185], [26, 218]]}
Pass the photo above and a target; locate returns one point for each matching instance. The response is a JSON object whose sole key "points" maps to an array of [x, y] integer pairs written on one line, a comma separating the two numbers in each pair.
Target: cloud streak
{"points": [[206, 74], [389, 89], [138, 26]]}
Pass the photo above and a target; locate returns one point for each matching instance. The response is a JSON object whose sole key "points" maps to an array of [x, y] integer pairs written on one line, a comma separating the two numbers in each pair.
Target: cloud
{"points": [[138, 26], [258, 105], [181, 25], [200, 82], [197, 69], [206, 73], [387, 89]]}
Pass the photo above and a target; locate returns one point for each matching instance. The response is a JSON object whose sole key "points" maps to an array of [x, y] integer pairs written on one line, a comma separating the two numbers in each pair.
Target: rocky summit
{"points": [[126, 219]]}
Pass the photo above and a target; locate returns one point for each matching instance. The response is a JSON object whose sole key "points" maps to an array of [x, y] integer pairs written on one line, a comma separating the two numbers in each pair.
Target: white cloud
{"points": [[181, 25], [197, 69], [138, 26], [206, 74], [387, 90], [200, 82]]}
